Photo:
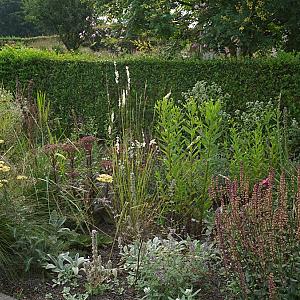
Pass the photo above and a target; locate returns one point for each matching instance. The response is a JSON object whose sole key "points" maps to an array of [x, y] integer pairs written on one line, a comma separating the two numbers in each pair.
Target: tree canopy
{"points": [[68, 18], [12, 20], [246, 26]]}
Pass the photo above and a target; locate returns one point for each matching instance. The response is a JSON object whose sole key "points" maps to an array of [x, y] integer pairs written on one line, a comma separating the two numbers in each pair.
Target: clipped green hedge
{"points": [[81, 82]]}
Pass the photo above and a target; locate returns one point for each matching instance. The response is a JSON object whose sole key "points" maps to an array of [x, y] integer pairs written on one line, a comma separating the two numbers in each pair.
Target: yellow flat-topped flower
{"points": [[1, 141], [105, 178], [4, 168], [21, 177]]}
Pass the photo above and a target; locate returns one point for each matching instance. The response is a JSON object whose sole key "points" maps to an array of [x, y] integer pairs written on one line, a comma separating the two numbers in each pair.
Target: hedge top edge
{"points": [[24, 53]]}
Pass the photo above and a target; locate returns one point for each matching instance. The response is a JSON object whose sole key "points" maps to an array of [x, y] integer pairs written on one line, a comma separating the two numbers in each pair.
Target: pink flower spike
{"points": [[265, 182]]}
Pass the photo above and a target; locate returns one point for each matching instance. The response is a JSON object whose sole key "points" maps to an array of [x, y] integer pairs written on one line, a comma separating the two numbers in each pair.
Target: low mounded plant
{"points": [[162, 268], [66, 267]]}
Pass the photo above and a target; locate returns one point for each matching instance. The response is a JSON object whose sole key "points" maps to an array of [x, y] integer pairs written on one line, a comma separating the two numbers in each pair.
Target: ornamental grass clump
{"points": [[134, 202], [258, 234], [10, 118]]}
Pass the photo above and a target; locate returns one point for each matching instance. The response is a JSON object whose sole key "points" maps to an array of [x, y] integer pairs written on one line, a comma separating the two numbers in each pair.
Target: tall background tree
{"points": [[12, 20], [246, 25], [287, 13], [140, 18], [68, 18]]}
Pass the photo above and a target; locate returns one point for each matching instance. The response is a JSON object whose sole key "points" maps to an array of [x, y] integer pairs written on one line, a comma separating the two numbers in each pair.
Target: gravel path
{"points": [[4, 297]]}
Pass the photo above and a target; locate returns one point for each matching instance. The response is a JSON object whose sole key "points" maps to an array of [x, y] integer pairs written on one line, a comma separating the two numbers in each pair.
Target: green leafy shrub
{"points": [[197, 140], [256, 139], [204, 91], [188, 138]]}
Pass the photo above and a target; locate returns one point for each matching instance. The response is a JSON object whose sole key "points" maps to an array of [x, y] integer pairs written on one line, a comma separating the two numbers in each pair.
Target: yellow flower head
{"points": [[105, 178], [22, 177], [4, 168], [3, 181], [1, 141]]}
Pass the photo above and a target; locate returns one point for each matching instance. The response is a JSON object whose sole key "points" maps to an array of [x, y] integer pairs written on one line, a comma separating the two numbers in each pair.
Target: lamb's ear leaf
{"points": [[60, 263], [75, 270], [69, 259], [50, 266], [81, 260]]}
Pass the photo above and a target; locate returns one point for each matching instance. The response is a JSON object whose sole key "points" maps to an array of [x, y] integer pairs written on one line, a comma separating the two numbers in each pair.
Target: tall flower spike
{"points": [[271, 287], [109, 130], [298, 203], [282, 191], [116, 73], [118, 145], [94, 244], [112, 117], [128, 78], [123, 98]]}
